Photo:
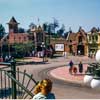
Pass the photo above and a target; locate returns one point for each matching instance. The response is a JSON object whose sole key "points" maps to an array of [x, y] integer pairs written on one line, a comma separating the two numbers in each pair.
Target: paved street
{"points": [[65, 86], [62, 88]]}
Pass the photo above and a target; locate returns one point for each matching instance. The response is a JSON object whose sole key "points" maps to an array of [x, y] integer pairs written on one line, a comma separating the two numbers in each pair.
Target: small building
{"points": [[14, 36], [93, 38], [77, 42]]}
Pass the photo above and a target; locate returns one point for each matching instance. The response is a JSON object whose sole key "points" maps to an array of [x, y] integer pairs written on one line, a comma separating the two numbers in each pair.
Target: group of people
{"points": [[73, 69]]}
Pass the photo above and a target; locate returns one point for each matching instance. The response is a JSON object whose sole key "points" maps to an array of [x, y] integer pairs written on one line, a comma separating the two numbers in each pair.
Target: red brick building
{"points": [[14, 35]]}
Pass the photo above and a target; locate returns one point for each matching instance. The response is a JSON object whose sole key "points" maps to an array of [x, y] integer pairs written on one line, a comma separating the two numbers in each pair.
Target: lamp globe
{"points": [[88, 79], [97, 57]]}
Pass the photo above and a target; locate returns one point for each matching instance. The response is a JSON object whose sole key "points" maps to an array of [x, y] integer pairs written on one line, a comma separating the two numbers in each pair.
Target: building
{"points": [[93, 38], [77, 42], [39, 38], [14, 36]]}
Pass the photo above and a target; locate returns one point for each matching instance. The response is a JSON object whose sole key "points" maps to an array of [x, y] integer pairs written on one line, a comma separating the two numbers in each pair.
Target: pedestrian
{"points": [[43, 90], [71, 66], [65, 54], [80, 65], [74, 70], [6, 58]]}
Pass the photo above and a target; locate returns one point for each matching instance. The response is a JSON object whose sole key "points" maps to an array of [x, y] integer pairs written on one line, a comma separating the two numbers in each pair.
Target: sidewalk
{"points": [[62, 73]]}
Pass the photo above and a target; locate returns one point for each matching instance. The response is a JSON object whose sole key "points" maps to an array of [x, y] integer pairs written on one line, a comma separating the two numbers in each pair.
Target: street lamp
{"points": [[88, 76], [95, 83], [94, 73], [43, 51]]}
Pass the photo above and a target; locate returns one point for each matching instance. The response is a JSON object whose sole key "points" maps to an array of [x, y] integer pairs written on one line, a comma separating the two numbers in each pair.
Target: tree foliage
{"points": [[60, 32], [23, 49], [21, 30], [2, 31]]}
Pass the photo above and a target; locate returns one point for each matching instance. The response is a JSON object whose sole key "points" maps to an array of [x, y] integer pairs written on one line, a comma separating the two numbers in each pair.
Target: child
{"points": [[74, 70], [43, 90]]}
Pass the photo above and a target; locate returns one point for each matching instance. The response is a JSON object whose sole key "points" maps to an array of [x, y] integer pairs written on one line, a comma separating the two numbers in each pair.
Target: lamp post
{"points": [[93, 73], [88, 76], [95, 83], [43, 51]]}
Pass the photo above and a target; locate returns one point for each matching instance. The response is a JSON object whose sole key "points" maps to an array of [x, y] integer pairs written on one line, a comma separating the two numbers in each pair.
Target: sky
{"points": [[71, 13]]}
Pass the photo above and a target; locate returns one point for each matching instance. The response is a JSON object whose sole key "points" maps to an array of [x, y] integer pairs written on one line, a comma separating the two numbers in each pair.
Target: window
{"points": [[80, 39], [93, 38], [89, 38], [96, 37]]}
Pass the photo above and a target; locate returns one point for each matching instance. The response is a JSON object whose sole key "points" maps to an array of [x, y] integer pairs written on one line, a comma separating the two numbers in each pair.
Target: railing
{"points": [[15, 84]]}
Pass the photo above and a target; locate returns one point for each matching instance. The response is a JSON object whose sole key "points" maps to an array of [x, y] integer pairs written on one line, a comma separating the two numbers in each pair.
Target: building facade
{"points": [[77, 42], [93, 38], [14, 36]]}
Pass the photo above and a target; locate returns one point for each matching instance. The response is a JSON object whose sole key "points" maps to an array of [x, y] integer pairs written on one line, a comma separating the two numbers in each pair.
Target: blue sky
{"points": [[71, 13]]}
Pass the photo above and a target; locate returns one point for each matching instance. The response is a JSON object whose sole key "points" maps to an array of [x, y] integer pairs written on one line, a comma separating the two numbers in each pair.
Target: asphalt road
{"points": [[62, 89]]}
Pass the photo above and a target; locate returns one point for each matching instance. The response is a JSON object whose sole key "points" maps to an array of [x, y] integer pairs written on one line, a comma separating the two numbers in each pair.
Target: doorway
{"points": [[80, 50]]}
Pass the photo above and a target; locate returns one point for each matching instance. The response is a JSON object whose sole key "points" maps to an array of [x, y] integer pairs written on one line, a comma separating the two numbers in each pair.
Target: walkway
{"points": [[62, 73]]}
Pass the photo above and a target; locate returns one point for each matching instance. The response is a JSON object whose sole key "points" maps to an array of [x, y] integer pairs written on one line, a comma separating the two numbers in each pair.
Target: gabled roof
{"points": [[13, 21], [71, 36], [39, 27]]}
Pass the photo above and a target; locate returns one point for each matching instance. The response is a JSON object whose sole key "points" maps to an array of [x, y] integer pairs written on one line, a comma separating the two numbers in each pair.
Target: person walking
{"points": [[71, 66], [80, 65], [43, 90]]}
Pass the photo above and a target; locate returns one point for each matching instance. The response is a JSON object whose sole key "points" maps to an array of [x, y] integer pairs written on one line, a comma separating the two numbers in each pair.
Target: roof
{"points": [[71, 36], [13, 21], [39, 27]]}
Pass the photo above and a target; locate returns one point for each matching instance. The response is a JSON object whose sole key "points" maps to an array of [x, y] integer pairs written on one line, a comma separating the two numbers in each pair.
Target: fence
{"points": [[14, 83]]}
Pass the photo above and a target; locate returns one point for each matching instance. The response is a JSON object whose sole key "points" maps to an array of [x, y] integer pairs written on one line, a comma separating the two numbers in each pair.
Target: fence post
{"points": [[13, 69]]}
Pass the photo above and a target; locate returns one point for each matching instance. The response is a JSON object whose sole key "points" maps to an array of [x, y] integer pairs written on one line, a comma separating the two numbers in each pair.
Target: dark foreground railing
{"points": [[14, 83]]}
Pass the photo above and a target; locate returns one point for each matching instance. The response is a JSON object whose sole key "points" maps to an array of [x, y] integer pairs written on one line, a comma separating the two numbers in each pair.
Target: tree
{"points": [[23, 49], [45, 27], [60, 32], [56, 24], [52, 26], [2, 31], [21, 30], [32, 25]]}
